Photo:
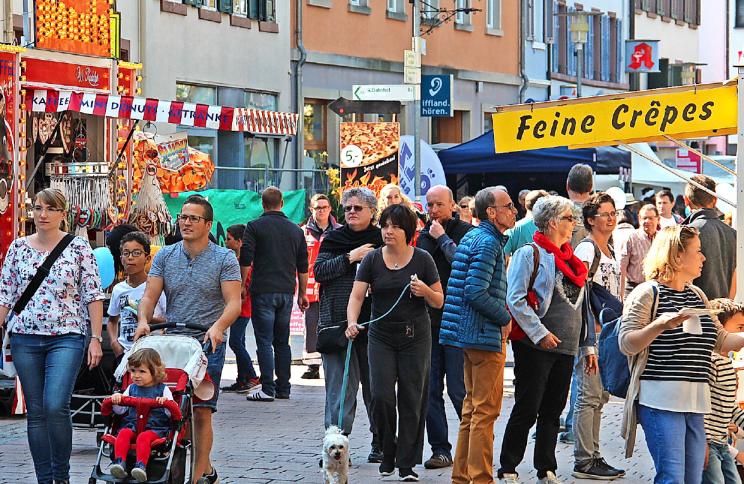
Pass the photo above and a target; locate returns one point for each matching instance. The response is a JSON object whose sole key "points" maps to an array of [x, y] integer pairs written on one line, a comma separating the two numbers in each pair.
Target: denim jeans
{"points": [[242, 357], [572, 398], [47, 367], [721, 466], [676, 442], [271, 315], [445, 361]]}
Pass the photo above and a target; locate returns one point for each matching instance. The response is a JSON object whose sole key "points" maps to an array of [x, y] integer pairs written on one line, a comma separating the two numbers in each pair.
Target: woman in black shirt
{"points": [[400, 343]]}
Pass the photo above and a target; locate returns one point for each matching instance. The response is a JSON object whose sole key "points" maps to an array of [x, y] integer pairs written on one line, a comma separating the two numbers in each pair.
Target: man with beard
{"points": [[439, 238]]}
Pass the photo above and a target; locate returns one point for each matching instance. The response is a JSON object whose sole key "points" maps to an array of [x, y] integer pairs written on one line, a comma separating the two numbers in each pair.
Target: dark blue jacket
{"points": [[475, 307]]}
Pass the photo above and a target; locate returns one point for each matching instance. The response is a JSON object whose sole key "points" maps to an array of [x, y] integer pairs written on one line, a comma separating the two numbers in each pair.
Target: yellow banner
{"points": [[691, 111]]}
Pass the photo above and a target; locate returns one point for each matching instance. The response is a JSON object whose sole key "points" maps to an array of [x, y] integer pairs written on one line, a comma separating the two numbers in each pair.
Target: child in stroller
{"points": [[147, 373]]}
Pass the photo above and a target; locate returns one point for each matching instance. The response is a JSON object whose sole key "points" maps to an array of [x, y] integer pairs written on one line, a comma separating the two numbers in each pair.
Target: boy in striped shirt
{"points": [[725, 416]]}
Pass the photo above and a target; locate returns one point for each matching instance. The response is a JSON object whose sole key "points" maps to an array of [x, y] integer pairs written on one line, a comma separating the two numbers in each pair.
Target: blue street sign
{"points": [[436, 96]]}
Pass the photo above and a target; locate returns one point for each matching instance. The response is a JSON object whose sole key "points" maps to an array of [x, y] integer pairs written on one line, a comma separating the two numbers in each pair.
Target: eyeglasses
{"points": [[464, 206], [570, 218], [612, 214], [132, 253], [191, 218], [39, 209], [324, 207], [353, 208], [508, 206]]}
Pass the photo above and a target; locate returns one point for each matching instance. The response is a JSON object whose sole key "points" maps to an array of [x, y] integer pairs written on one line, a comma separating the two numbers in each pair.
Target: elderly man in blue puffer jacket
{"points": [[475, 319]]}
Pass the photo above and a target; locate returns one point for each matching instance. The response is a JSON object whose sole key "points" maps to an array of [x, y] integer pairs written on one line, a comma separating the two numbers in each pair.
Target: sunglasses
{"points": [[464, 206], [353, 208]]}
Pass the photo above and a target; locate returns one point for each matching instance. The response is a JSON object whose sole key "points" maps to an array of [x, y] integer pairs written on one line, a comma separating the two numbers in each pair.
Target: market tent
{"points": [[479, 156]]}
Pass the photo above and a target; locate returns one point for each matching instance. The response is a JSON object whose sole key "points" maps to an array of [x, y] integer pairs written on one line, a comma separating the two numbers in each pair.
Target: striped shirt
{"points": [[675, 355], [722, 400]]}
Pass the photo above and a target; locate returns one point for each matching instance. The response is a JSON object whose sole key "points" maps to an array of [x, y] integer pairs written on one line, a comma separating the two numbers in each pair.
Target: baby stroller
{"points": [[172, 459]]}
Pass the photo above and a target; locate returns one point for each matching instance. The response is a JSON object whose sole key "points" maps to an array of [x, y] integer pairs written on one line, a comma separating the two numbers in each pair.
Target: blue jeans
{"points": [[676, 442], [271, 315], [237, 344], [721, 466], [449, 361], [572, 398], [47, 367]]}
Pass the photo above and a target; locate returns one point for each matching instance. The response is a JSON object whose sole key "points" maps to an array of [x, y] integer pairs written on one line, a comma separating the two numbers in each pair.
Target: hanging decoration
{"points": [[149, 212]]}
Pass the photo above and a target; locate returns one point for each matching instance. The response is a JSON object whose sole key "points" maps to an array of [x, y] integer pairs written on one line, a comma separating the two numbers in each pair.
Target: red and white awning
{"points": [[224, 118]]}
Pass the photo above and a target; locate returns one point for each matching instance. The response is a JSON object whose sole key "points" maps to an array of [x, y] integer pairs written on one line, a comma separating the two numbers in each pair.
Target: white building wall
{"points": [[712, 40], [678, 43]]}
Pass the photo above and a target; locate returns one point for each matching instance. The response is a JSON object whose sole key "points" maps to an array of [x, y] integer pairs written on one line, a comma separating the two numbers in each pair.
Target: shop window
{"points": [[314, 131], [262, 155], [240, 7], [193, 93]]}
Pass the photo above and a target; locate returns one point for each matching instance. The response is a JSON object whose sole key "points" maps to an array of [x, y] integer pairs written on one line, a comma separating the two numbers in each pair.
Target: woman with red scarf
{"points": [[553, 333]]}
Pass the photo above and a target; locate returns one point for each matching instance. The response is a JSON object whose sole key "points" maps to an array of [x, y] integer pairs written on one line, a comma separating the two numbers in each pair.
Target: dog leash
{"points": [[345, 380]]}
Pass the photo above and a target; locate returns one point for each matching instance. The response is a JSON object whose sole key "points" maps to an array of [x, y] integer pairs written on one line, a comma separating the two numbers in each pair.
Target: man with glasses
{"points": [[277, 249], [440, 237], [320, 222], [202, 283], [475, 319]]}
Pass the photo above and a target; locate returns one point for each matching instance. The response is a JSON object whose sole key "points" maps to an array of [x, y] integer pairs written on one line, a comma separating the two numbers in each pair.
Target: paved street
{"points": [[280, 442]]}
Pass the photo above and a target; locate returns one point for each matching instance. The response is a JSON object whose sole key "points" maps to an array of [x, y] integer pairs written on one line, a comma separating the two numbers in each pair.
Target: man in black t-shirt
{"points": [[439, 238]]}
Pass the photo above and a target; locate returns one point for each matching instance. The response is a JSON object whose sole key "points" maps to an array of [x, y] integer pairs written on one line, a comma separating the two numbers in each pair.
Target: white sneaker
{"points": [[510, 479], [259, 396], [550, 478]]}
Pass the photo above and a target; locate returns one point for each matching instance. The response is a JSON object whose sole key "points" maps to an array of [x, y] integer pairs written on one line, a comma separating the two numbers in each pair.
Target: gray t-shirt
{"points": [[193, 286]]}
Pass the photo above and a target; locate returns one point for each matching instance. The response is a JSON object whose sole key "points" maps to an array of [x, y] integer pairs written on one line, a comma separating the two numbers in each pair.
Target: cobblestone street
{"points": [[280, 442]]}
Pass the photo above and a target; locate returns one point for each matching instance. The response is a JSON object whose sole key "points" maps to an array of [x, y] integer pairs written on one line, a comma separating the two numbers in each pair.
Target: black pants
{"points": [[400, 353], [541, 383]]}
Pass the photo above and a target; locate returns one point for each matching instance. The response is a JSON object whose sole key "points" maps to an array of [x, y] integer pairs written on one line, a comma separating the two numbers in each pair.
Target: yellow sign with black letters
{"points": [[680, 112]]}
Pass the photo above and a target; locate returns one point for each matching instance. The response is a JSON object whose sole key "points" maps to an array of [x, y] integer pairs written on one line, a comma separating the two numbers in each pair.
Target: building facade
{"points": [[348, 42], [222, 52]]}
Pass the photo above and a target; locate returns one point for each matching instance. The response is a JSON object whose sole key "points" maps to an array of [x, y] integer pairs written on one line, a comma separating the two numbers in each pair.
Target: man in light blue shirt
{"points": [[523, 231]]}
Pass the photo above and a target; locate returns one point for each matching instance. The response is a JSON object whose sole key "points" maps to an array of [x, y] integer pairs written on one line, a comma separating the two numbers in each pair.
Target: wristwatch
{"points": [[99, 338]]}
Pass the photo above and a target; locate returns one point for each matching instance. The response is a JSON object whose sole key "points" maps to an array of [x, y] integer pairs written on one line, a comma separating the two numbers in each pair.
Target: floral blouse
{"points": [[60, 304]]}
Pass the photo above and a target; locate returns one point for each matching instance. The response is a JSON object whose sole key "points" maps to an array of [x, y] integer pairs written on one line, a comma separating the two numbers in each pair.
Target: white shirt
{"points": [[124, 301], [667, 222], [608, 271]]}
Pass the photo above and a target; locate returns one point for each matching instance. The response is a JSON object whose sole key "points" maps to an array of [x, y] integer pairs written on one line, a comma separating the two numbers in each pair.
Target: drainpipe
{"points": [[522, 68], [299, 98]]}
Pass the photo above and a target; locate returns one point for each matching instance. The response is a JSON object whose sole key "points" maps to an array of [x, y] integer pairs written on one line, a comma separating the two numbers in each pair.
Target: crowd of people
{"points": [[429, 302]]}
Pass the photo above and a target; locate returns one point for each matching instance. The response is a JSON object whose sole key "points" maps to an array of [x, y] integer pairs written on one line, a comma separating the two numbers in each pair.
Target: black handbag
{"points": [[599, 297], [332, 339]]}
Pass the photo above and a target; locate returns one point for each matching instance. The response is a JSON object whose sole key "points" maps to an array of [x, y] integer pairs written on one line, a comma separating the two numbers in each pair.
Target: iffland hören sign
{"points": [[681, 112]]}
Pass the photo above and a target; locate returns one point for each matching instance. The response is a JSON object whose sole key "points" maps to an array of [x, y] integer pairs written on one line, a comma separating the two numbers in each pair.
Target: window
{"points": [[394, 6], [462, 18], [664, 7], [358, 3], [692, 12], [649, 6], [739, 15], [487, 122], [260, 100], [549, 19], [209, 4], [493, 13], [429, 9], [530, 20], [193, 93], [240, 7], [678, 9]]}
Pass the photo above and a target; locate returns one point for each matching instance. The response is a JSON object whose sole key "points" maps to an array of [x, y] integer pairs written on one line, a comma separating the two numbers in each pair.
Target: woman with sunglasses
{"points": [[341, 251], [49, 334], [464, 207], [400, 342]]}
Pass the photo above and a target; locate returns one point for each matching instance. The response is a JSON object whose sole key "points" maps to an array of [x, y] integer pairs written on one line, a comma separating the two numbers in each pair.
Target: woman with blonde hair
{"points": [[669, 362], [391, 194], [48, 334]]}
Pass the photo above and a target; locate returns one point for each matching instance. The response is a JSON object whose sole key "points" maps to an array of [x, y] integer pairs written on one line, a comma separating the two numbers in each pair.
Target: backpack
{"points": [[613, 364]]}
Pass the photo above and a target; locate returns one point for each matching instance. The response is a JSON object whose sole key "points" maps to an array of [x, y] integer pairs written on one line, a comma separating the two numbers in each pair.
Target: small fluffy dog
{"points": [[335, 457]]}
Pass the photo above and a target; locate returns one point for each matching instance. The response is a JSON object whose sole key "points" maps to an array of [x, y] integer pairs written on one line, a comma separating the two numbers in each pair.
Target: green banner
{"points": [[239, 206]]}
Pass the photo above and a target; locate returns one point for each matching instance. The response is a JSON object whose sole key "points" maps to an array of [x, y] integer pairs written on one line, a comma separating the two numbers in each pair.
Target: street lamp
{"points": [[579, 31]]}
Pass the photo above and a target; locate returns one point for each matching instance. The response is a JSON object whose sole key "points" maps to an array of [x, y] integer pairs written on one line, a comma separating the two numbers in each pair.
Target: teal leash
{"points": [[345, 381]]}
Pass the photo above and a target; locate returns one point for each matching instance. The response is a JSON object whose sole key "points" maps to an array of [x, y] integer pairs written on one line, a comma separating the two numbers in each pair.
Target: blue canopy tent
{"points": [[478, 156]]}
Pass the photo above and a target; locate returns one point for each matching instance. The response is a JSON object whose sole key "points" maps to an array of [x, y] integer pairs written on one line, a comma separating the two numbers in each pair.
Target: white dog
{"points": [[335, 457]]}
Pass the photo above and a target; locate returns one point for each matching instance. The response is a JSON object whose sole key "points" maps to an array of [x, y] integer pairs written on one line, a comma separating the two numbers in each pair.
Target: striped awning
{"points": [[256, 121]]}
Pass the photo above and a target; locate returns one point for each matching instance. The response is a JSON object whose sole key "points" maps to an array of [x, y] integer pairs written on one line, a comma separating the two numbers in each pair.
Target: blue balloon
{"points": [[105, 265]]}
